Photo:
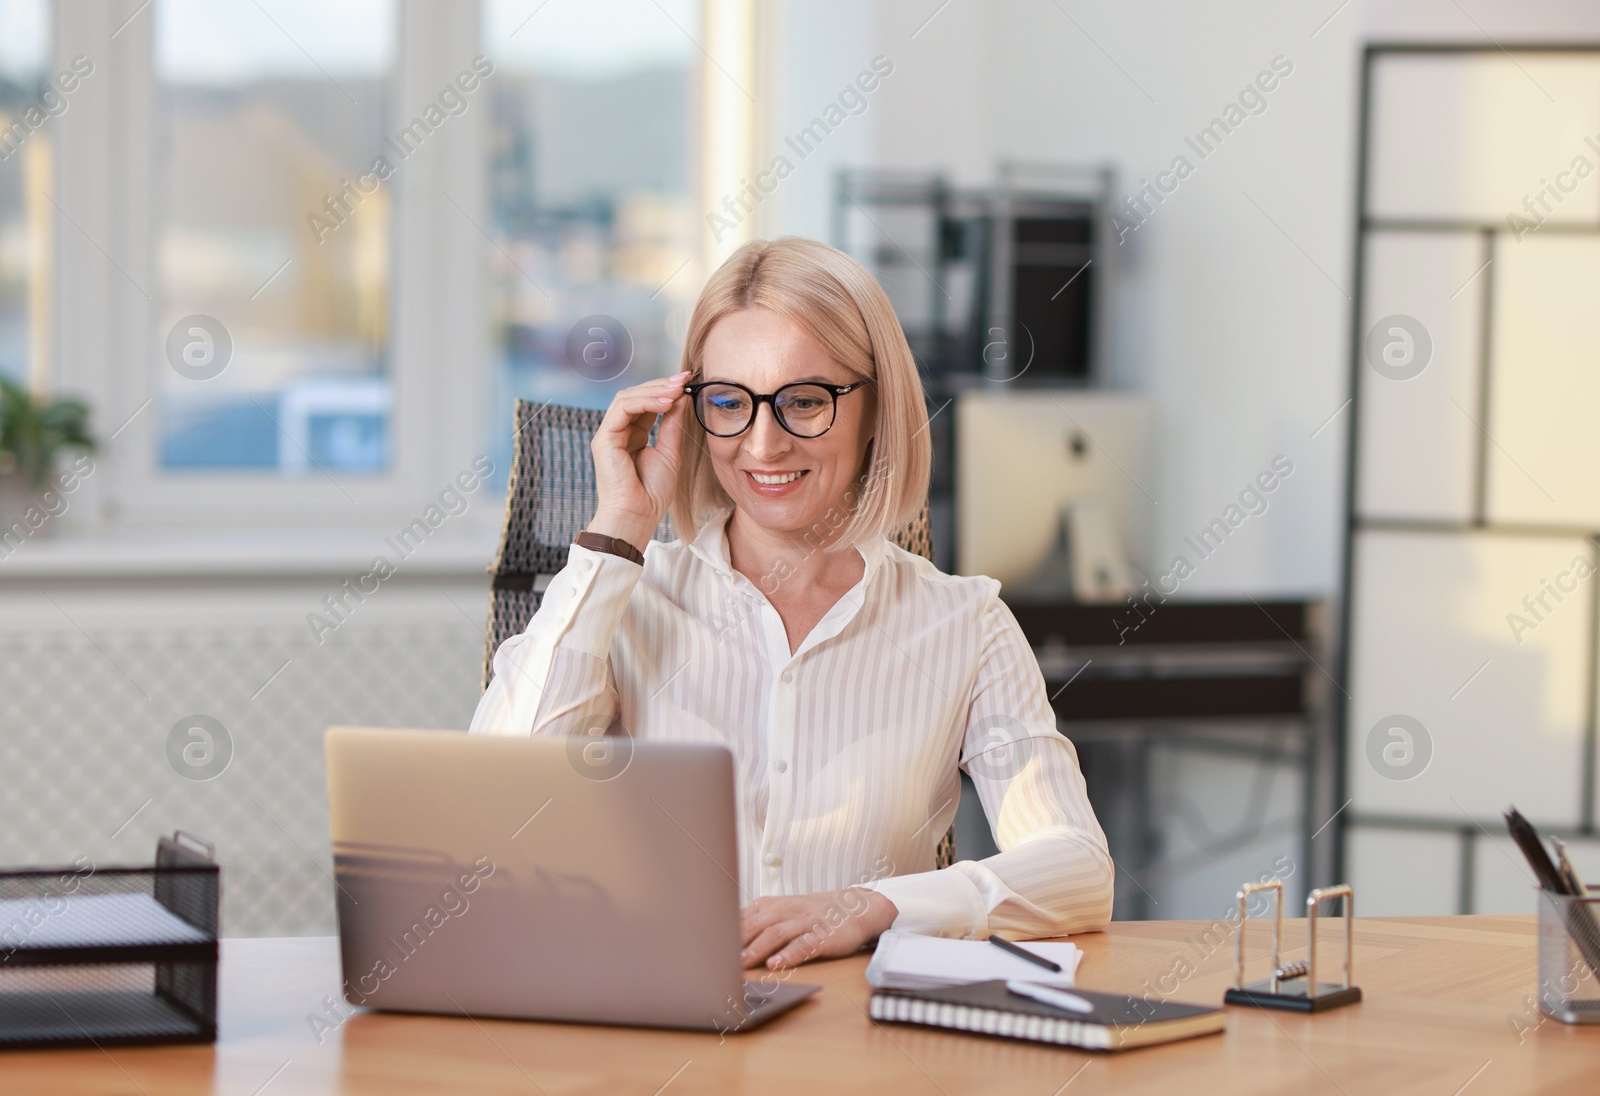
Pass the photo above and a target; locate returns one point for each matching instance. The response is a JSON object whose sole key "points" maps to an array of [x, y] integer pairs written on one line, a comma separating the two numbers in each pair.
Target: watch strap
{"points": [[599, 542]]}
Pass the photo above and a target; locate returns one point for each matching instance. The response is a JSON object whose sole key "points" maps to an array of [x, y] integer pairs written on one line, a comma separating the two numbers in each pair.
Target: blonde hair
{"points": [[836, 302]]}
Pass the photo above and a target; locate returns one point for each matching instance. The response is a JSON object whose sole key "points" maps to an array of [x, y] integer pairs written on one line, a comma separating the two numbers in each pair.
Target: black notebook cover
{"points": [[1119, 1022]]}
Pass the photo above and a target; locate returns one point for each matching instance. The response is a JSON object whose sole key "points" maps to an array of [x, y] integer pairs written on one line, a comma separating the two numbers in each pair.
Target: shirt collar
{"points": [[711, 545], [711, 542]]}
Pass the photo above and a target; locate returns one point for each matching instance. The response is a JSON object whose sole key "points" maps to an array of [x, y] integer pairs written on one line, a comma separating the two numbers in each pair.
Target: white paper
{"points": [[76, 920], [906, 960]]}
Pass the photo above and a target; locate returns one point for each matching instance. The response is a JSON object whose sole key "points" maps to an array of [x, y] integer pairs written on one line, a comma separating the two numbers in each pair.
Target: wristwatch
{"points": [[599, 542]]}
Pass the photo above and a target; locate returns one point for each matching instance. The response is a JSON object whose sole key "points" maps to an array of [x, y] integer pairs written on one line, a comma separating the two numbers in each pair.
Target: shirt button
{"points": [[787, 677], [585, 564], [781, 766], [772, 860]]}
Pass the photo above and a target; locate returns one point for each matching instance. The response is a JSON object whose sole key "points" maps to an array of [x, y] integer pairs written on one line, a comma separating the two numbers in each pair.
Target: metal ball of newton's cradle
{"points": [[1293, 970], [1294, 985]]}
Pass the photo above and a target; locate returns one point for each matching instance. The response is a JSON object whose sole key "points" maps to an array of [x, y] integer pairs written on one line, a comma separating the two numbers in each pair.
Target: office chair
{"points": [[550, 497]]}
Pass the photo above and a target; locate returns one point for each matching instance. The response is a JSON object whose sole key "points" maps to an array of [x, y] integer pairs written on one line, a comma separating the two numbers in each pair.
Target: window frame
{"points": [[107, 289], [36, 353]]}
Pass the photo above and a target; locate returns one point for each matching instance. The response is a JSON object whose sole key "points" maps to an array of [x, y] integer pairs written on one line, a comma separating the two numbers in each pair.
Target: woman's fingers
{"points": [[671, 432], [770, 940], [781, 932], [630, 431], [804, 947], [625, 409], [755, 917], [631, 478], [795, 940], [631, 404], [787, 931], [677, 380], [641, 395], [667, 387]]}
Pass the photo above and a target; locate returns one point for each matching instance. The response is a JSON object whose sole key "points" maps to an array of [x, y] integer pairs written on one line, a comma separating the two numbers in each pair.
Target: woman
{"points": [[849, 677]]}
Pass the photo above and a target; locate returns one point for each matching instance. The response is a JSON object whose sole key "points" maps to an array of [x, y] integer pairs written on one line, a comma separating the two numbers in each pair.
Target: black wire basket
{"points": [[93, 956]]}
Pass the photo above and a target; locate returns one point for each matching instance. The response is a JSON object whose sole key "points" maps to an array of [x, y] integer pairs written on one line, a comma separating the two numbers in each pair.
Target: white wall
{"points": [[1238, 337], [1233, 319]]}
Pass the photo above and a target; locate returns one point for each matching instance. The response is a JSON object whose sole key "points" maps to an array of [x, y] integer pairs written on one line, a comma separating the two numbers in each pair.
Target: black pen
{"points": [[1022, 953], [1527, 839]]}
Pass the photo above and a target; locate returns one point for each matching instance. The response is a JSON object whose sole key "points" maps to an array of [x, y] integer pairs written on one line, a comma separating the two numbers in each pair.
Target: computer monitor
{"points": [[1026, 461]]}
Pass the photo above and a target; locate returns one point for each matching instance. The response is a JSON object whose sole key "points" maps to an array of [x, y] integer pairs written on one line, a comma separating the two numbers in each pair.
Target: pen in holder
{"points": [[1294, 985], [1569, 957]]}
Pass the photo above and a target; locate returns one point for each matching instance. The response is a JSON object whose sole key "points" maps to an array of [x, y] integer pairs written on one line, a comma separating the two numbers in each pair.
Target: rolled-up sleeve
{"points": [[1053, 874], [555, 677]]}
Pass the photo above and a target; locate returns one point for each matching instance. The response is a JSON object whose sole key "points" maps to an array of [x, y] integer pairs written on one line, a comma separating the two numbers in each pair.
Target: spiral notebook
{"points": [[1119, 1022]]}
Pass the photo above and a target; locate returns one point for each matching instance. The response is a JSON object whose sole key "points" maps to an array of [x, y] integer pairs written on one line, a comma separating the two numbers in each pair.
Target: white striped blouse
{"points": [[845, 751]]}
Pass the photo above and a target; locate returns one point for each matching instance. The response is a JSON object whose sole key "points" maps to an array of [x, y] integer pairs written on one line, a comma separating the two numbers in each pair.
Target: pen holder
{"points": [[1569, 957]]}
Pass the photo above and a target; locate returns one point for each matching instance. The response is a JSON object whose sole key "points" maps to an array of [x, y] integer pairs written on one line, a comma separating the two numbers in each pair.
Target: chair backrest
{"points": [[550, 497]]}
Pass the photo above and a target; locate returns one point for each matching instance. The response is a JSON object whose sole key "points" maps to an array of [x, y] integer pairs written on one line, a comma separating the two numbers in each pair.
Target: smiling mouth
{"points": [[775, 480]]}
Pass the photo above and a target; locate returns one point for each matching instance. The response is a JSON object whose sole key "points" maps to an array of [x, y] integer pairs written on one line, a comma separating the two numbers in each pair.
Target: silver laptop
{"points": [[546, 878]]}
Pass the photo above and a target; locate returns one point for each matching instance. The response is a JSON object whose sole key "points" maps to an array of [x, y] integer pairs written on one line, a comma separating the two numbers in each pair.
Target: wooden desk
{"points": [[1442, 995]]}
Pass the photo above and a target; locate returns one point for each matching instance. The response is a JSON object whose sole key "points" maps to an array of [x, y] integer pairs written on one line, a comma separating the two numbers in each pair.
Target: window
{"points": [[593, 268], [25, 158], [273, 251], [270, 337]]}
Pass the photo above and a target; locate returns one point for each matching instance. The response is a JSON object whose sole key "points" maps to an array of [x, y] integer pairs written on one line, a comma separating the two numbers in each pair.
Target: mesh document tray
{"points": [[93, 956]]}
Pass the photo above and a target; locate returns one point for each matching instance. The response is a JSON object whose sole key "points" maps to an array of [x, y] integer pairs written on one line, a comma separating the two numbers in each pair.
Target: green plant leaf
{"points": [[34, 432]]}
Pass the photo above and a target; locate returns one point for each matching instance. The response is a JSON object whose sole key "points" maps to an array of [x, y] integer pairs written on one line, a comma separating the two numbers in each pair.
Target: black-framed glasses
{"points": [[805, 409]]}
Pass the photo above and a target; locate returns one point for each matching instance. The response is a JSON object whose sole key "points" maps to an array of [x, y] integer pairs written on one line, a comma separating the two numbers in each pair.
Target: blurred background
{"points": [[1258, 338]]}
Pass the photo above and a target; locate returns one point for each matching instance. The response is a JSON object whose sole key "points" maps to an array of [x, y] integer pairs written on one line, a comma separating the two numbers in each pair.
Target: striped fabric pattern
{"points": [[846, 750]]}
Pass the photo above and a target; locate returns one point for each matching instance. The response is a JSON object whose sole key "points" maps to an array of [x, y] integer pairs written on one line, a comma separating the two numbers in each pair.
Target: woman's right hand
{"points": [[636, 481]]}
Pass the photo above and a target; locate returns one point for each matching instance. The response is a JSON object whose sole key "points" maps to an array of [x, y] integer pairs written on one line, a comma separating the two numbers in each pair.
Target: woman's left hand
{"points": [[785, 932]]}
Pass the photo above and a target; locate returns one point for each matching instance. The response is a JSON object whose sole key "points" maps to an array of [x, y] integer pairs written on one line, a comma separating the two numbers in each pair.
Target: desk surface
{"points": [[1447, 1009]]}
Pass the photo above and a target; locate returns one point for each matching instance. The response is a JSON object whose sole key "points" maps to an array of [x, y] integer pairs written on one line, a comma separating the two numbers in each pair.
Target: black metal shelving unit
{"points": [[983, 279]]}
